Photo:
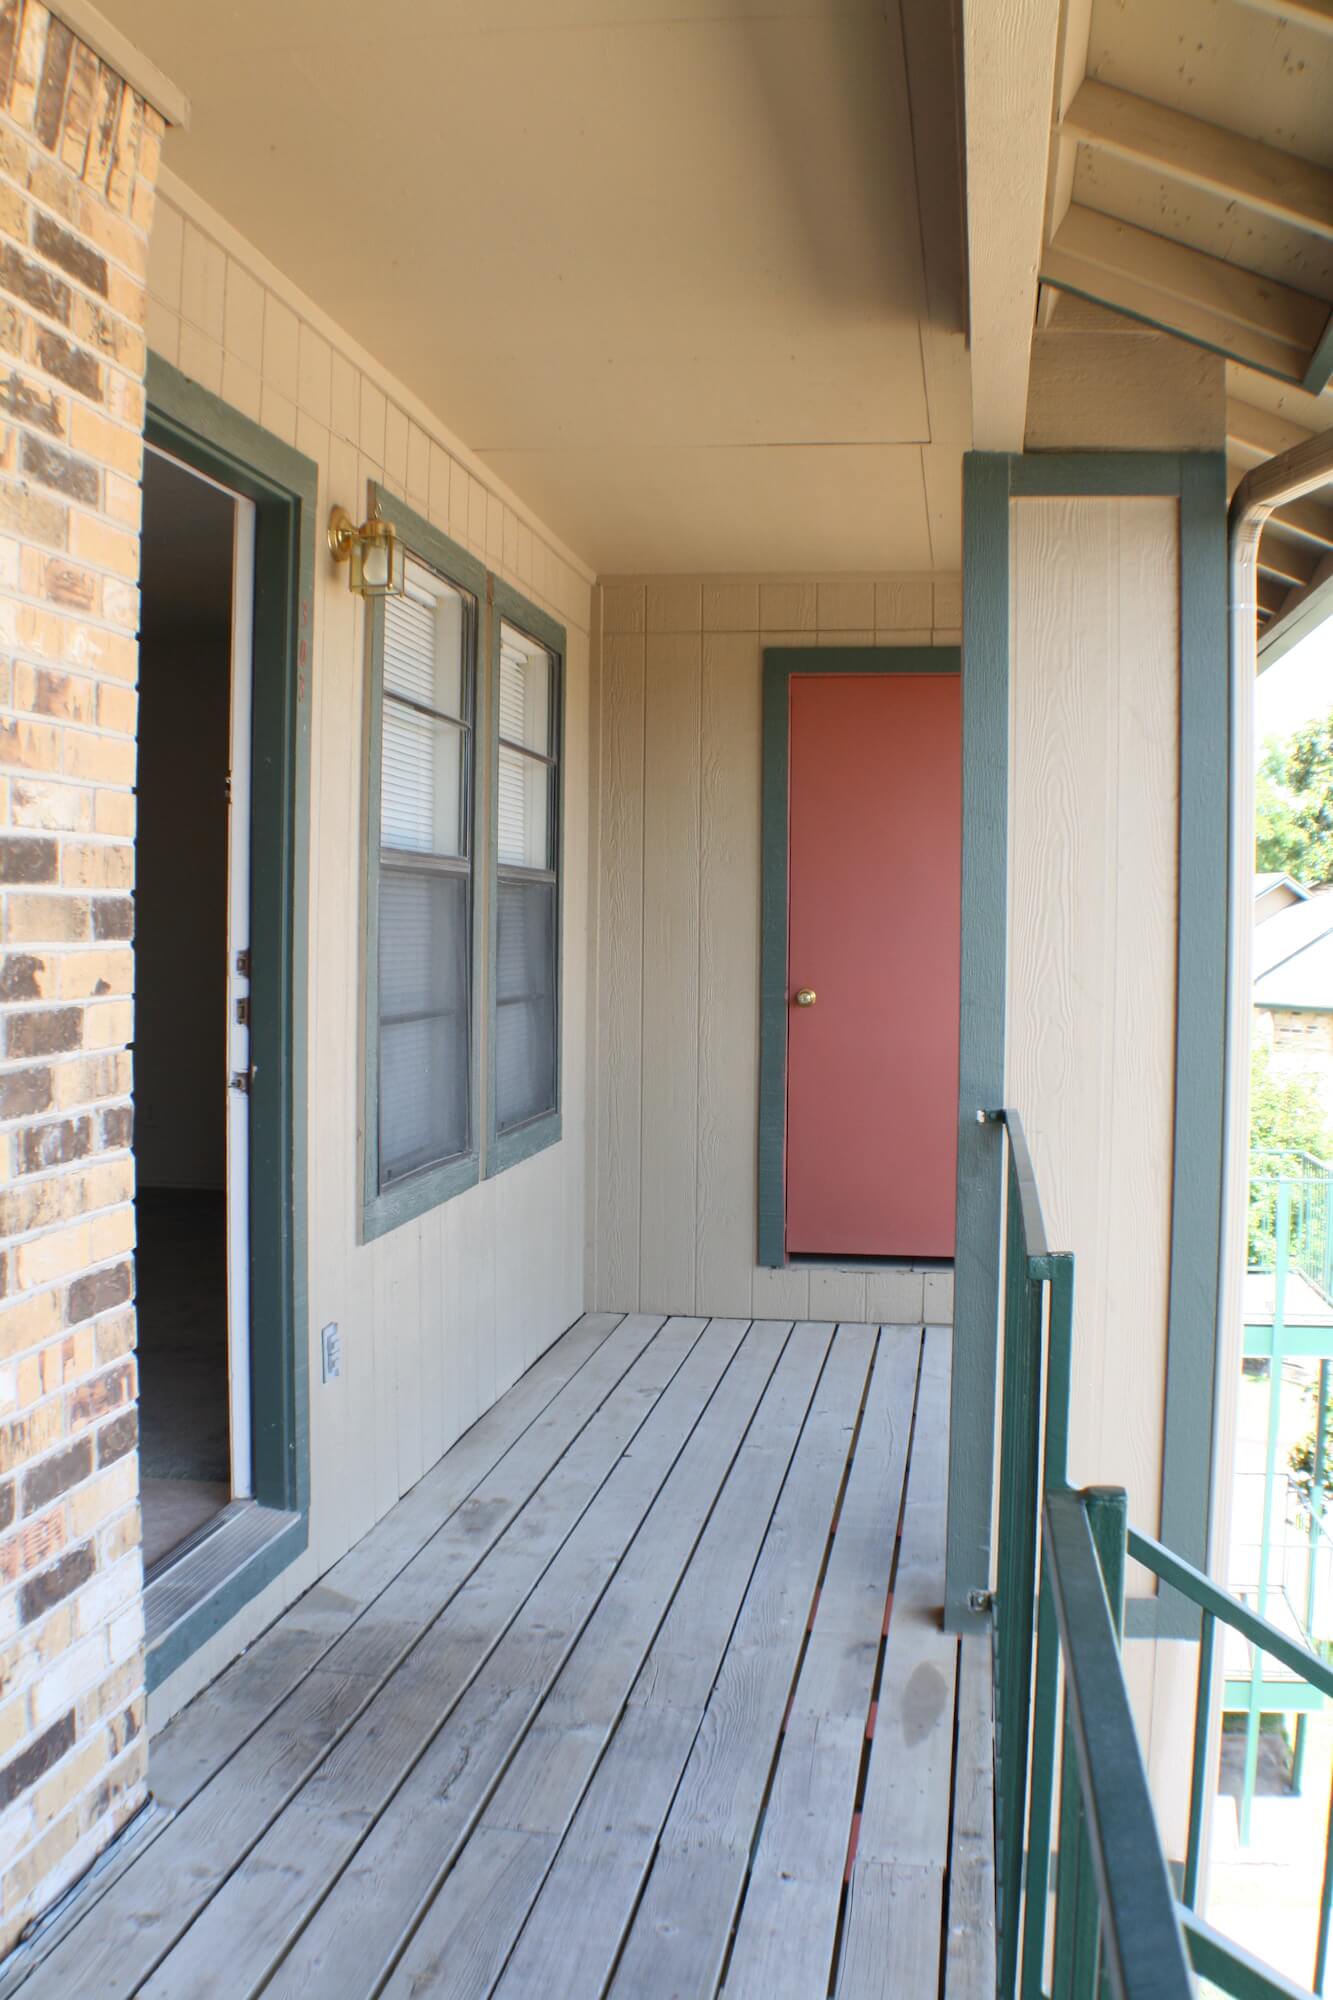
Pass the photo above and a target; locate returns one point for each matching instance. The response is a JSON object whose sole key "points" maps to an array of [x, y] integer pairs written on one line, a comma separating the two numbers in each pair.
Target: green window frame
{"points": [[507, 1145], [386, 1205]]}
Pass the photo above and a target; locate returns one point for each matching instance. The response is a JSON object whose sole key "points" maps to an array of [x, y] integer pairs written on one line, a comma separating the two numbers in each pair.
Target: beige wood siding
{"points": [[675, 1028], [1092, 941], [441, 1315], [1094, 796]]}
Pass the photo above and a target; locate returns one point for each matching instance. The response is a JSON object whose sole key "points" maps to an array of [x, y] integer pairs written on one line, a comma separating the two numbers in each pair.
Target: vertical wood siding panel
{"points": [[1092, 941], [670, 1076], [1144, 963], [408, 1335], [726, 1192], [621, 1008]]}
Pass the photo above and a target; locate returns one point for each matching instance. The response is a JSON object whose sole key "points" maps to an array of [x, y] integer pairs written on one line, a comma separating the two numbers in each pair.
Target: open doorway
{"points": [[192, 1004]]}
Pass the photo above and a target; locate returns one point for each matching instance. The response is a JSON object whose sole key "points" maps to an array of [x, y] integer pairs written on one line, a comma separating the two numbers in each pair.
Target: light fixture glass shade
{"points": [[378, 561]]}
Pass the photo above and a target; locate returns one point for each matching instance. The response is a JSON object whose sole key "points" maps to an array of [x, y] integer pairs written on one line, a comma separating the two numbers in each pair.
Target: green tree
{"points": [[1286, 1117], [1294, 805]]}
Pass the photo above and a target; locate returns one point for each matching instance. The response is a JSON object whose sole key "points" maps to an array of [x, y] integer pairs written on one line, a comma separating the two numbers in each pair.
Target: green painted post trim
{"points": [[1205, 902], [222, 1604], [981, 1030], [1320, 371], [521, 1142], [1094, 475], [388, 1210], [283, 484], [780, 663]]}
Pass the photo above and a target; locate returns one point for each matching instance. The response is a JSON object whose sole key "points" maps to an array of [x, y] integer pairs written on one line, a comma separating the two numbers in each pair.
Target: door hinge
{"points": [[243, 1080], [243, 963], [243, 1010]]}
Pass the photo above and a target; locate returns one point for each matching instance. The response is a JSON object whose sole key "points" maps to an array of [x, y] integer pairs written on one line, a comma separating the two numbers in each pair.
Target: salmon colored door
{"points": [[874, 885]]}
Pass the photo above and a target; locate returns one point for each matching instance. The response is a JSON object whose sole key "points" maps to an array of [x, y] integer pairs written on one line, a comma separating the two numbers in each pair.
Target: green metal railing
{"points": [[1305, 1182], [1086, 1903], [1291, 1204]]}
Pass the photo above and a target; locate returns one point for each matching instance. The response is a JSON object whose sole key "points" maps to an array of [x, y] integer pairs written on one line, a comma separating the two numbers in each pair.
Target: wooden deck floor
{"points": [[602, 1706]]}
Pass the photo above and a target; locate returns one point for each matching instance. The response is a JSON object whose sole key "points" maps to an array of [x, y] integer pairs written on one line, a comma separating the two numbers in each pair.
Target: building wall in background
{"points": [[673, 1190]]}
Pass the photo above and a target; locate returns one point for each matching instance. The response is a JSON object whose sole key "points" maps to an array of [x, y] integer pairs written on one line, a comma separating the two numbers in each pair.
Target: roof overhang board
{"points": [[1203, 299], [1009, 62], [1258, 177], [1310, 13], [1298, 617]]}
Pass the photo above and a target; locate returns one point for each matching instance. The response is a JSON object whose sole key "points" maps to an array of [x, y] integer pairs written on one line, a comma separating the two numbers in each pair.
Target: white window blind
{"points": [[425, 878], [527, 889]]}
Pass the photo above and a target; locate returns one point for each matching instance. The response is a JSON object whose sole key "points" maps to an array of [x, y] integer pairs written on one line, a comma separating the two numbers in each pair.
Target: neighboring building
{"points": [[1274, 892], [1293, 980], [613, 631]]}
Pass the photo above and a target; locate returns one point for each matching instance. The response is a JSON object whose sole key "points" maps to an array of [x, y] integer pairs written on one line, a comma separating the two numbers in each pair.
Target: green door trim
{"points": [[991, 480], [780, 663], [215, 439]]}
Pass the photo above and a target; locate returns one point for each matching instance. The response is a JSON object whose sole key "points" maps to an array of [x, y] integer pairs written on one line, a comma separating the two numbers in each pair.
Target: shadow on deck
{"points": [[636, 1692]]}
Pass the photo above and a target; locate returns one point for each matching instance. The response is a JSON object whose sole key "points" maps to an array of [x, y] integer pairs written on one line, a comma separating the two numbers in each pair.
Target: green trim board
{"points": [[382, 1211], [991, 481], [521, 1142], [222, 1604], [780, 663], [205, 433]]}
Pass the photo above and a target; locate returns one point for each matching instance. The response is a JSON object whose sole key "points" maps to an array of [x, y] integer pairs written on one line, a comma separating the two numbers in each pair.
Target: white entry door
{"points": [[237, 1081]]}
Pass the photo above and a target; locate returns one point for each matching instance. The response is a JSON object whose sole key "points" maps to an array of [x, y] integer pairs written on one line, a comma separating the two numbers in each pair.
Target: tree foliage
{"points": [[1294, 805]]}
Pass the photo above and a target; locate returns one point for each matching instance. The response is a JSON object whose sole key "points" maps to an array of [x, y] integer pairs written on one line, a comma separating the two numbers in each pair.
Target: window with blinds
{"points": [[426, 881], [527, 885]]}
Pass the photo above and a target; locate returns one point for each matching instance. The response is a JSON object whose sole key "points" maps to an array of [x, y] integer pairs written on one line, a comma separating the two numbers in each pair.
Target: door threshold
{"points": [[817, 1261], [204, 1583]]}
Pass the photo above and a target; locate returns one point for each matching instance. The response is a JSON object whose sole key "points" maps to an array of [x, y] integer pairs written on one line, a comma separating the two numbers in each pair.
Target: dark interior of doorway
{"points": [[180, 1019]]}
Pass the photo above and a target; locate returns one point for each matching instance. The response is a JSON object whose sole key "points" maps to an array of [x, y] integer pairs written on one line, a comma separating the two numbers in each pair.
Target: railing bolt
{"points": [[980, 1600]]}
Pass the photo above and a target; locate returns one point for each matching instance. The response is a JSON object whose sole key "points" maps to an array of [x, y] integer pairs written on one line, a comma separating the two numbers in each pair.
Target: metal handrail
{"points": [[1119, 1927], [1142, 1939]]}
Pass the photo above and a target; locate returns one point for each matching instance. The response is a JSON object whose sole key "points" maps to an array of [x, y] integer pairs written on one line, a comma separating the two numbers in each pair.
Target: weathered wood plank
{"points": [[895, 1902], [788, 1922], [466, 1936], [573, 1933], [969, 1950], [198, 1742], [404, 1836], [677, 1941], [127, 1933]]}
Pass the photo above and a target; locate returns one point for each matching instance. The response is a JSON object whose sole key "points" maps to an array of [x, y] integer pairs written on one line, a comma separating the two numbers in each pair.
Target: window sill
{"points": [[507, 1149], [382, 1212]]}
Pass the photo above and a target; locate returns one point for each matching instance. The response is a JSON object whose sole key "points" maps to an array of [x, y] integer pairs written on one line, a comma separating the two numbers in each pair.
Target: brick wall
{"points": [[78, 163]]}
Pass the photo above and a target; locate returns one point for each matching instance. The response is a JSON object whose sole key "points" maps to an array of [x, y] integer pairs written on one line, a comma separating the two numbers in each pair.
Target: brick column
{"points": [[79, 154]]}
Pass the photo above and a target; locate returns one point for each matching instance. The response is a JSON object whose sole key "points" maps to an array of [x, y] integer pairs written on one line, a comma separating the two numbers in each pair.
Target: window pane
{"points": [[425, 1057], [525, 1002], [424, 638], [525, 691], [524, 810], [421, 782]]}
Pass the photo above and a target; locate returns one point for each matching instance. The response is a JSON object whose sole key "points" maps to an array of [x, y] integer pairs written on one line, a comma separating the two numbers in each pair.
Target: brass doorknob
{"points": [[805, 996]]}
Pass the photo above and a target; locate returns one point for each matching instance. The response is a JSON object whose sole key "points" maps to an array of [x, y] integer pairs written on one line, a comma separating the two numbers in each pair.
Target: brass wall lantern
{"points": [[378, 566]]}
